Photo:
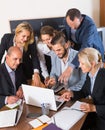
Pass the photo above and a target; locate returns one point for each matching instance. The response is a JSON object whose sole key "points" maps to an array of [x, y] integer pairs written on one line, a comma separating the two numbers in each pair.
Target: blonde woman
{"points": [[24, 39], [90, 62]]}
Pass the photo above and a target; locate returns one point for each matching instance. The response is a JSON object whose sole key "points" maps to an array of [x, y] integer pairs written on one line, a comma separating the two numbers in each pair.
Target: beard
{"points": [[64, 54]]}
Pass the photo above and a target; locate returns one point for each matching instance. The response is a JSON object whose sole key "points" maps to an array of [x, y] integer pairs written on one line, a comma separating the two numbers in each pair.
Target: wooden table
{"points": [[23, 122]]}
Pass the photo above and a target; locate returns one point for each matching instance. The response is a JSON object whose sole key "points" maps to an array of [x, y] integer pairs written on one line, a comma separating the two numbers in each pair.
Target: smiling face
{"points": [[22, 37], [59, 50], [46, 38]]}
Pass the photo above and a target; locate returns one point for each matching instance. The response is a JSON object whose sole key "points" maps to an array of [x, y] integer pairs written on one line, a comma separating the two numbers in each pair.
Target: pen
{"points": [[71, 109], [76, 109], [54, 120], [16, 116]]}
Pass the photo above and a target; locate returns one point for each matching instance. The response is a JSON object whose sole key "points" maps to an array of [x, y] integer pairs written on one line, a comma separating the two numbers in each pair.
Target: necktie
{"points": [[12, 75]]}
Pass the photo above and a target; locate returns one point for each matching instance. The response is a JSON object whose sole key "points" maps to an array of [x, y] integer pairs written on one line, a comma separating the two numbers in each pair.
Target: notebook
{"points": [[11, 117], [36, 96]]}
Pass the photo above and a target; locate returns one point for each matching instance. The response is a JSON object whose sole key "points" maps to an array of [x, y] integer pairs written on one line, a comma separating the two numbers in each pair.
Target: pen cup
{"points": [[45, 108]]}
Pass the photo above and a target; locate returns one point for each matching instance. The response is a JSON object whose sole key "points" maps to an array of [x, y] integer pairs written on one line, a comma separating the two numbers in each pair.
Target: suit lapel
{"points": [[7, 76], [96, 84]]}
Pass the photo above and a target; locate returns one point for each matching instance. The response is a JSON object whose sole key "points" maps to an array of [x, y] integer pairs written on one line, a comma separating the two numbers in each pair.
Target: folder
{"points": [[40, 127], [51, 127], [10, 117]]}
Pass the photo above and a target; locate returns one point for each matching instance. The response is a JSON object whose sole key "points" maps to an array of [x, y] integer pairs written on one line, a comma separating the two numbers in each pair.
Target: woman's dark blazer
{"points": [[30, 58], [98, 96]]}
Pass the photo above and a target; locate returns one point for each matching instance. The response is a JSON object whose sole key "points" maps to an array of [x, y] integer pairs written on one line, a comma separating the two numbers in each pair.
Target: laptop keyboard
{"points": [[58, 103]]}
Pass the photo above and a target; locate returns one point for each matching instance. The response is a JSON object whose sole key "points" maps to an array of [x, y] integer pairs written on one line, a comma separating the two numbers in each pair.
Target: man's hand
{"points": [[19, 93], [12, 99], [65, 75], [46, 80]]}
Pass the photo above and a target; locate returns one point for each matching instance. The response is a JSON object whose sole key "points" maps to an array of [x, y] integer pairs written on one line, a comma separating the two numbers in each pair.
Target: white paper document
{"points": [[76, 105], [7, 118], [39, 121], [10, 117], [44, 118], [68, 116], [35, 123]]}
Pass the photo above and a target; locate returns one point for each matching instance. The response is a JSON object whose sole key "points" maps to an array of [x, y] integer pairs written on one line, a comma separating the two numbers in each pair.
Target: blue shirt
{"points": [[92, 80]]}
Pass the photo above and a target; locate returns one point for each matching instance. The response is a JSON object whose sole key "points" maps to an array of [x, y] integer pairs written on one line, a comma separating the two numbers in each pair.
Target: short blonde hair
{"points": [[25, 26], [89, 55]]}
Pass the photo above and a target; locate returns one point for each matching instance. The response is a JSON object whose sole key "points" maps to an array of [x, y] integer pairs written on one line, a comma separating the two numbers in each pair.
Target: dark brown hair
{"points": [[72, 13]]}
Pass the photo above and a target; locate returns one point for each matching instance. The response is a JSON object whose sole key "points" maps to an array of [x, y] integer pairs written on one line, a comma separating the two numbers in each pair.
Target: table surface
{"points": [[23, 122]]}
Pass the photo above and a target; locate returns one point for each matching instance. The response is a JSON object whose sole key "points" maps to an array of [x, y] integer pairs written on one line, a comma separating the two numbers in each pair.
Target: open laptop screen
{"points": [[36, 96]]}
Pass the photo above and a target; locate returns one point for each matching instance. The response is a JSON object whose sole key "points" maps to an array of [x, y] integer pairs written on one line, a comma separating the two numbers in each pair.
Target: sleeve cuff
{"points": [[36, 71]]}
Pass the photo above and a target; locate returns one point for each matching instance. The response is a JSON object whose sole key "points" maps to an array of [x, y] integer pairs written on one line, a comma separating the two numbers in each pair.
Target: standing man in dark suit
{"points": [[11, 77]]}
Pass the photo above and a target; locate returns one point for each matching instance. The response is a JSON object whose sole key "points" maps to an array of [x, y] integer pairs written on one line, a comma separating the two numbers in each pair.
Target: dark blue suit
{"points": [[6, 85], [86, 36]]}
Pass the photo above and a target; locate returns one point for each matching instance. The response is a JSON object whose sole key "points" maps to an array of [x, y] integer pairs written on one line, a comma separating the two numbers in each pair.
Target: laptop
{"points": [[36, 96]]}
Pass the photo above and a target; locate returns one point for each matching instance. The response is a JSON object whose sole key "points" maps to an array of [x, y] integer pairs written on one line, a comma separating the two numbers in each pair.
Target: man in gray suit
{"points": [[11, 77], [60, 61]]}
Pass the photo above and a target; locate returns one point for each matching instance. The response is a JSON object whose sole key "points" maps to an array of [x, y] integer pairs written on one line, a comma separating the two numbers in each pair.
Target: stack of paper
{"points": [[68, 116], [7, 118]]}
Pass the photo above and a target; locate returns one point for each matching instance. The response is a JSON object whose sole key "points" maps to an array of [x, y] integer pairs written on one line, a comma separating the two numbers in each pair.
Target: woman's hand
{"points": [[67, 96], [36, 80], [86, 107], [50, 82]]}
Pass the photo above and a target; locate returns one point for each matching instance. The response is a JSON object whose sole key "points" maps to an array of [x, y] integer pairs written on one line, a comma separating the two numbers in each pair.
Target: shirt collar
{"points": [[8, 68], [94, 74]]}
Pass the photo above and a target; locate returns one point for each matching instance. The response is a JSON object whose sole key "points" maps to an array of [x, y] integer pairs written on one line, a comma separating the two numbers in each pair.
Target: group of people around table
{"points": [[81, 70]]}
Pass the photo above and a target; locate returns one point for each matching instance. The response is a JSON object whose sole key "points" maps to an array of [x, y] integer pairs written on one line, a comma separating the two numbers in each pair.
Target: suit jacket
{"points": [[98, 96], [86, 36], [30, 58], [76, 79], [6, 85]]}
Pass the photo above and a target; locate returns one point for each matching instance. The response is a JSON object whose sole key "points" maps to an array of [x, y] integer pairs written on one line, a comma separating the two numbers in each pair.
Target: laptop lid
{"points": [[36, 96]]}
